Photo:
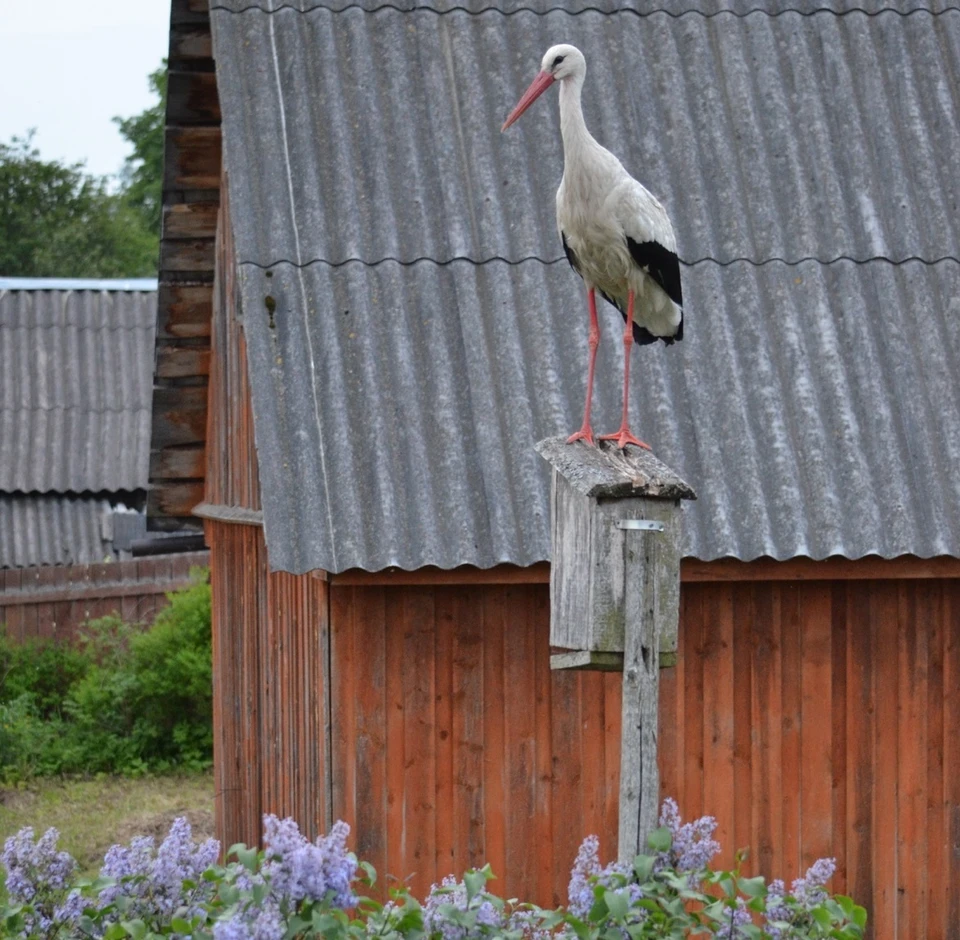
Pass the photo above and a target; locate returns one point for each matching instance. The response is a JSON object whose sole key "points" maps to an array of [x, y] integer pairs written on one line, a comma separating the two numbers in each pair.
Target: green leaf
{"points": [[115, 932], [822, 916], [248, 858], [475, 882], [181, 926], [753, 887], [728, 884], [369, 872], [617, 904], [859, 915], [643, 867], [660, 839], [134, 928]]}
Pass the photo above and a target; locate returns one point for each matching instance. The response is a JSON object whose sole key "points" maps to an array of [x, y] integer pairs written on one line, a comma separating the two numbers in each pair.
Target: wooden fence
{"points": [[53, 601]]}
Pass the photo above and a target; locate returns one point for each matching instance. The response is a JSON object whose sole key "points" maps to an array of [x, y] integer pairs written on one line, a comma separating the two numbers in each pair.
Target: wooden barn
{"points": [[365, 324]]}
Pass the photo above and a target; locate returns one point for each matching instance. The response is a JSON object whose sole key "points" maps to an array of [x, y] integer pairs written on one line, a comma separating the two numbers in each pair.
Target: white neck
{"points": [[576, 137]]}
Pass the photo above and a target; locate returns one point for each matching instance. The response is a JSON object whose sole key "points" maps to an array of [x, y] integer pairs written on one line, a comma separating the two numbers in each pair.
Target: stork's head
{"points": [[560, 63]]}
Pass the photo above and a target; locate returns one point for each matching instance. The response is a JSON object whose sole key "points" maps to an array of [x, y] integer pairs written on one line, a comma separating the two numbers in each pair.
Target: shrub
{"points": [[125, 700], [295, 888], [44, 670]]}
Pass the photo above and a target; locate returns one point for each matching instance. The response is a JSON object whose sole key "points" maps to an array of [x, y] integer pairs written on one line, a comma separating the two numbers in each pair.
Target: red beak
{"points": [[537, 87]]}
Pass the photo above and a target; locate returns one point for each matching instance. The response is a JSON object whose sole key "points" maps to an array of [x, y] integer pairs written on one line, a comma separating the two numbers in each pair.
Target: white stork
{"points": [[616, 235]]}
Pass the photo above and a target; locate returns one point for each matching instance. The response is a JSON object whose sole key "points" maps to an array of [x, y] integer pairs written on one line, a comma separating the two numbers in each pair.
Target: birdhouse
{"points": [[616, 550]]}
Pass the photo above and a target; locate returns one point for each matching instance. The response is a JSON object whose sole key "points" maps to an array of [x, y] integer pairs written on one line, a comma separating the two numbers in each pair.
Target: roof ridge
{"points": [[550, 261], [425, 8]]}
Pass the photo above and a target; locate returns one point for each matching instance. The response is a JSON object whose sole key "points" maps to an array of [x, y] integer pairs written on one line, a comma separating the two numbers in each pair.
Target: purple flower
{"points": [[585, 866], [154, 881], [300, 870], [809, 890], [693, 845], [39, 875], [263, 923], [733, 919]]}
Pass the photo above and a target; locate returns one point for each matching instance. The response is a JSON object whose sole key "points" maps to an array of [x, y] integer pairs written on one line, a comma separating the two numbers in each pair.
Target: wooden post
{"points": [[615, 596]]}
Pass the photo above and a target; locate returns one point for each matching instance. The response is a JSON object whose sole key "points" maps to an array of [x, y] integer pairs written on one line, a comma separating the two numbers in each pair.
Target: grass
{"points": [[94, 814]]}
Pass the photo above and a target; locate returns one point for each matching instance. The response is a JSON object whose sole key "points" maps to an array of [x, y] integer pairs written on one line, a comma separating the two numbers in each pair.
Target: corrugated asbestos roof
{"points": [[76, 376], [787, 137], [431, 333], [53, 530]]}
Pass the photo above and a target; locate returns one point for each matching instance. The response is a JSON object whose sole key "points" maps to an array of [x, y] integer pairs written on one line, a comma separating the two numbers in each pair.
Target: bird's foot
{"points": [[584, 434], [624, 437]]}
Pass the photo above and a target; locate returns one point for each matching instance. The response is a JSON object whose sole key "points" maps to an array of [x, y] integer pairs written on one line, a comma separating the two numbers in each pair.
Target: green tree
{"points": [[57, 221], [142, 174]]}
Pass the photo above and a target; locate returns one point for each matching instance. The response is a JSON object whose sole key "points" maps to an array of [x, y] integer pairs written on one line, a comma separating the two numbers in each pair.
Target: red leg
{"points": [[624, 436], [586, 432]]}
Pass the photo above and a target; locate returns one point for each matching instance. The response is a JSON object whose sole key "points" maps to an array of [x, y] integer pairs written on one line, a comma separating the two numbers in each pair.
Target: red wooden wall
{"points": [[811, 719]]}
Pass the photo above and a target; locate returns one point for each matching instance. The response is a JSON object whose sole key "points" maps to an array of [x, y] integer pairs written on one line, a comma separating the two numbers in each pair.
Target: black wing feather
{"points": [[661, 264], [641, 335]]}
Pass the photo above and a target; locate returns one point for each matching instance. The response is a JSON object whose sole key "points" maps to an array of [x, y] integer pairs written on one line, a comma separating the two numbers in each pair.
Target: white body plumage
{"points": [[601, 208]]}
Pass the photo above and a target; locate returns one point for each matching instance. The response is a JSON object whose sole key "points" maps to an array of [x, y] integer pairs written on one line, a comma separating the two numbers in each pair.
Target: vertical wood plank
{"points": [[791, 711], [419, 808], [911, 765], [468, 668], [444, 607], [692, 634], [884, 613], [396, 757], [718, 711], [520, 870], [930, 616], [816, 747], [838, 732], [765, 766], [495, 791], [744, 613], [567, 767], [951, 755], [546, 884], [861, 740]]}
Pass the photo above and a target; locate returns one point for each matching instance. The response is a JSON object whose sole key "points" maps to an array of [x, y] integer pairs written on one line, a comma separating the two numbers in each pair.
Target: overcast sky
{"points": [[67, 67]]}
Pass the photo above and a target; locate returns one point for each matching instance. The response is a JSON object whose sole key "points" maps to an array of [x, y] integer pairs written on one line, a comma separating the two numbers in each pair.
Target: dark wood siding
{"points": [[190, 198], [269, 654], [231, 476]]}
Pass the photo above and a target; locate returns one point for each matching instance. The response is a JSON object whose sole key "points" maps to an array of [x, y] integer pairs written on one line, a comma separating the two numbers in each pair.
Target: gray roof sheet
{"points": [[53, 530], [377, 135], [830, 428], [430, 333], [76, 380]]}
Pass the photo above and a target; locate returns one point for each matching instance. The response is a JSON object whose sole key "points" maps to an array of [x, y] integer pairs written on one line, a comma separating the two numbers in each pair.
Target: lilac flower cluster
{"points": [[451, 893], [39, 875], [786, 912], [294, 871], [693, 846], [159, 883], [691, 850], [300, 870]]}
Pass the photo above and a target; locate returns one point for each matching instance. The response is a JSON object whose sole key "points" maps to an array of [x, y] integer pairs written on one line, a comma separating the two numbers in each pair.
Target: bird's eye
{"points": [[557, 61]]}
